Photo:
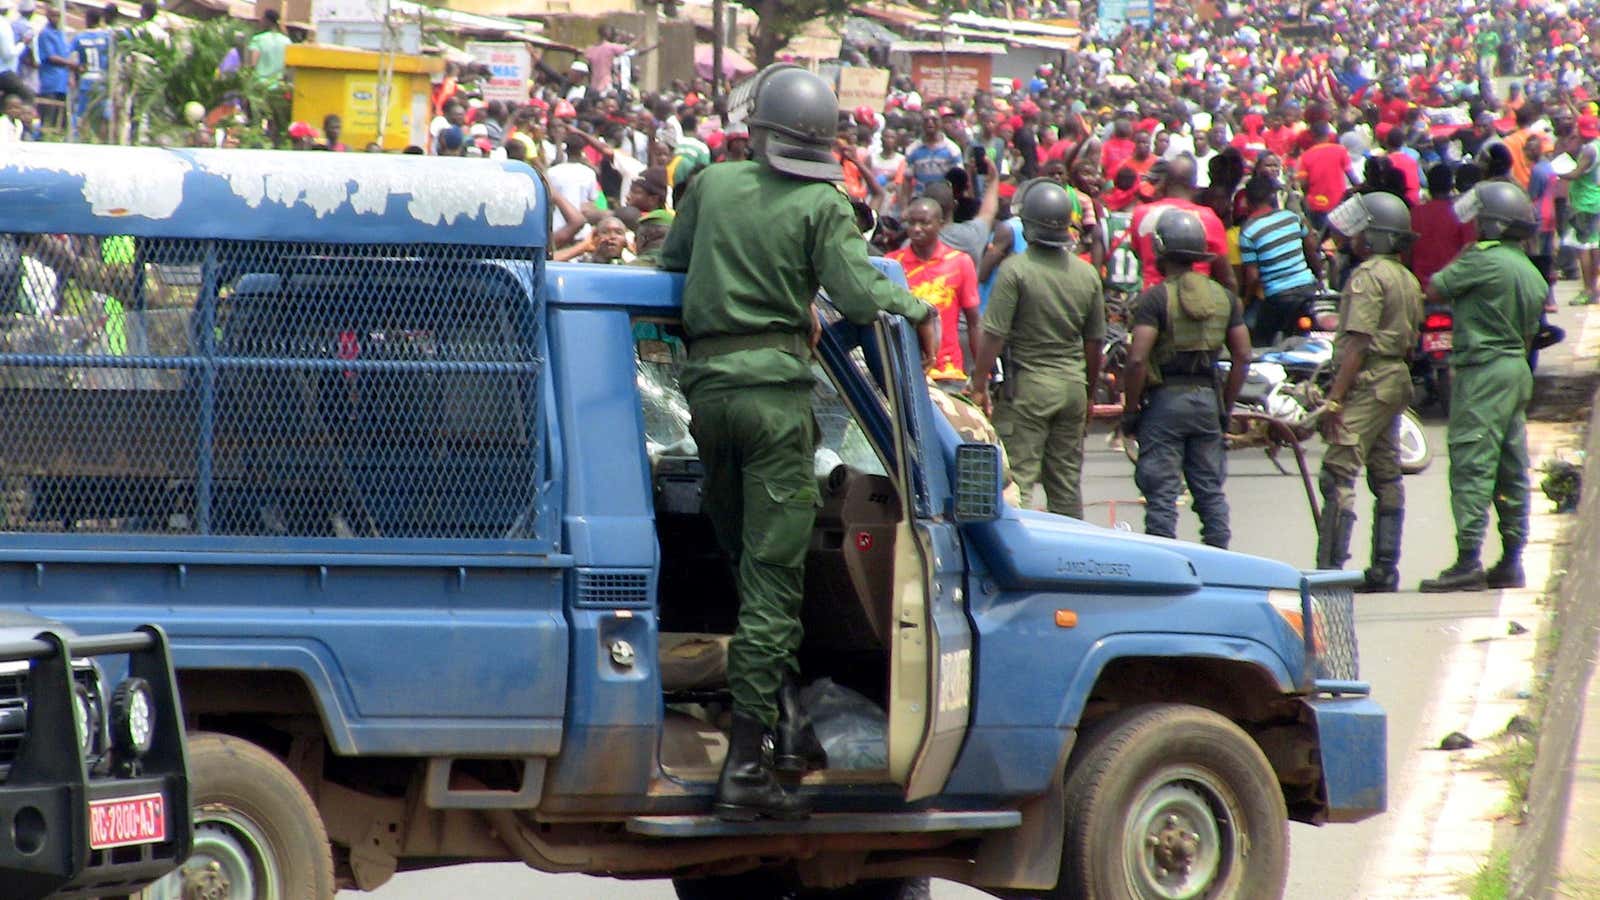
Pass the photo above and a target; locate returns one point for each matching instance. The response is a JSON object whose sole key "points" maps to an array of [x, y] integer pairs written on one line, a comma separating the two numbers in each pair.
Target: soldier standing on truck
{"points": [[757, 239], [1379, 314], [1049, 307], [1179, 328], [1497, 296]]}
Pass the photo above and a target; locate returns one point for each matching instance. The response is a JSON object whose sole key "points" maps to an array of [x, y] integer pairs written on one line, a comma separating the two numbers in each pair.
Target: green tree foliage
{"points": [[780, 20], [165, 74]]}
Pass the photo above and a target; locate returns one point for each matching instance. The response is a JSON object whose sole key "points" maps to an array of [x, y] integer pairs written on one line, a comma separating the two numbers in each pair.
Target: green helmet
{"points": [[1501, 209], [793, 118], [1180, 235], [1046, 213]]}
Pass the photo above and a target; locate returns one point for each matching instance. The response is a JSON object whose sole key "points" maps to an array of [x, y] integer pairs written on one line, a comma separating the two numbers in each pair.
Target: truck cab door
{"points": [[930, 646]]}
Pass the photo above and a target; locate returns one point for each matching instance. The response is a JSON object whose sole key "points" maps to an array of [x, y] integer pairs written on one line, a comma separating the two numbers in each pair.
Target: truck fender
{"points": [[303, 661], [1166, 645]]}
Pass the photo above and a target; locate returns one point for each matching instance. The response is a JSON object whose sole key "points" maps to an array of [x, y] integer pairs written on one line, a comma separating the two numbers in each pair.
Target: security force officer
{"points": [[1497, 296], [757, 239], [1048, 306], [1379, 314], [1171, 404]]}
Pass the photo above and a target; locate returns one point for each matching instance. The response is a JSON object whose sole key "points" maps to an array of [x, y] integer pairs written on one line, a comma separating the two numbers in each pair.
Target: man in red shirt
{"points": [[1174, 183], [1118, 147], [1440, 235], [1394, 146], [945, 279], [1325, 172]]}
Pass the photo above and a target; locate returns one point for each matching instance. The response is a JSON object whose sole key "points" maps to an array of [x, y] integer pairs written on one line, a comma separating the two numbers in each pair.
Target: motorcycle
{"points": [[1430, 365], [1290, 383]]}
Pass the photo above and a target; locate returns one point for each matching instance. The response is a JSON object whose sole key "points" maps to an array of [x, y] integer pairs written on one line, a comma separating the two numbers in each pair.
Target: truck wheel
{"points": [[773, 886], [257, 835], [1172, 801]]}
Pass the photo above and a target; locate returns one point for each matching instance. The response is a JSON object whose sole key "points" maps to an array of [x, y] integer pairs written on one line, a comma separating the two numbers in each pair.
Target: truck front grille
{"points": [[1333, 617]]}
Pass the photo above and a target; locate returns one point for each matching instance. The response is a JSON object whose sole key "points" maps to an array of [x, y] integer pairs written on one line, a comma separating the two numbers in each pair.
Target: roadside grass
{"points": [[1493, 881]]}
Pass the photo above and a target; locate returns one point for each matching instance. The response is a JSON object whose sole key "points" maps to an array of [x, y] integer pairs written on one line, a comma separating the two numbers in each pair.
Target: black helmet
{"points": [[1180, 235], [1502, 210], [1046, 213], [1382, 217], [793, 117]]}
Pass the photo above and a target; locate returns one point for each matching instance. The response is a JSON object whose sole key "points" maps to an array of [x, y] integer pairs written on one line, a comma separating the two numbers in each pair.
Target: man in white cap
{"points": [[577, 81]]}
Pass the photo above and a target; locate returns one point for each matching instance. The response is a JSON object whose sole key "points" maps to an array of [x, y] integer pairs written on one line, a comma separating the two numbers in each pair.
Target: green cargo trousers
{"points": [[1489, 451], [1041, 427], [1371, 438], [757, 445]]}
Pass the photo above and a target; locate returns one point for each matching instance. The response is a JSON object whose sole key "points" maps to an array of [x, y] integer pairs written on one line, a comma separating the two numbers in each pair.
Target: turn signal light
{"points": [[1066, 618]]}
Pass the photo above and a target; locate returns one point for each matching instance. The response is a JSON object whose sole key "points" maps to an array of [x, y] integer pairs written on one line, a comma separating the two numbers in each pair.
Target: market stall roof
{"points": [[733, 65], [466, 21], [1013, 26], [861, 31], [948, 46], [893, 14], [1043, 43]]}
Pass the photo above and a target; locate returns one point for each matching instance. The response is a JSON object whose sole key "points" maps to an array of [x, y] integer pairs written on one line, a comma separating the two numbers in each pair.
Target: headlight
{"points": [[133, 718], [83, 716], [1287, 603]]}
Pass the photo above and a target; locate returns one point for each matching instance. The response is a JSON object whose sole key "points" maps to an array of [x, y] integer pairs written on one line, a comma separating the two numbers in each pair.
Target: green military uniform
{"points": [[1045, 303], [1497, 296], [756, 246], [1383, 301]]}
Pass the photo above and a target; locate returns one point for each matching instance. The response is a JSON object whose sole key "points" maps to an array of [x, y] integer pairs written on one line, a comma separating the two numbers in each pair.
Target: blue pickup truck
{"points": [[420, 514]]}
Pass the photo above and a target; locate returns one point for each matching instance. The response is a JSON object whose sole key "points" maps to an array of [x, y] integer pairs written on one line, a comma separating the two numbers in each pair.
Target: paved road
{"points": [[1404, 640]]}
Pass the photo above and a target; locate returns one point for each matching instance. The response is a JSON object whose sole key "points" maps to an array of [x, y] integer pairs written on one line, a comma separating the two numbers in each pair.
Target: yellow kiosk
{"points": [[345, 81]]}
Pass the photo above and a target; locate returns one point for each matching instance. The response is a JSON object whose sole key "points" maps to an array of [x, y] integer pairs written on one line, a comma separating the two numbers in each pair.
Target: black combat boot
{"points": [[1333, 538], [1466, 574], [748, 789], [1383, 576], [1507, 573], [798, 751]]}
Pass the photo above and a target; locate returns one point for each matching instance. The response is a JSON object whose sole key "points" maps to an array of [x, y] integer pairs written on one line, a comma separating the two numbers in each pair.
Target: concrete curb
{"points": [[1537, 849]]}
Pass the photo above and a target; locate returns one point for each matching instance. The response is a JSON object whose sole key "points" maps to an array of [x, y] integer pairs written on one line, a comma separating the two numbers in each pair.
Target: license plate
{"points": [[1435, 341], [126, 821]]}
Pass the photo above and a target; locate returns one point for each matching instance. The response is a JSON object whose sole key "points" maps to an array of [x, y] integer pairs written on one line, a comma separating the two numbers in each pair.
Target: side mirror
{"points": [[980, 482]]}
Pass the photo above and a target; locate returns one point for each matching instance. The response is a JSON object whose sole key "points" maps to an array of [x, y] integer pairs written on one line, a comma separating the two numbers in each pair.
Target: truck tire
{"points": [[1172, 800], [775, 886], [255, 822]]}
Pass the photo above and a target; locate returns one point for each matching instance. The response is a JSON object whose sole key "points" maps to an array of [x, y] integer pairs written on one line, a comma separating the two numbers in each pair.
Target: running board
{"points": [[826, 823]]}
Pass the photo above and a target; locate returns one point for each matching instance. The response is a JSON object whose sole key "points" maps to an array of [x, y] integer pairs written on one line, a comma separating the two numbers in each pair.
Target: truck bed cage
{"points": [[270, 389]]}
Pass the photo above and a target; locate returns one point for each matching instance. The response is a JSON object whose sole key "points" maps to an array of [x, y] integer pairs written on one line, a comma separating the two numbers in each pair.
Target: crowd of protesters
{"points": [[1402, 96]]}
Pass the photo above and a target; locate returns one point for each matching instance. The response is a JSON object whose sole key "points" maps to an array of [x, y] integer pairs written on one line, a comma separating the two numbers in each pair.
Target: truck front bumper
{"points": [[1352, 743], [76, 828]]}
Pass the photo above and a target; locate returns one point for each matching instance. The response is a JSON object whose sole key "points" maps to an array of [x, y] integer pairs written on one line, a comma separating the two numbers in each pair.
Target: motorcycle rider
{"points": [[1497, 296], [1179, 328], [1380, 311]]}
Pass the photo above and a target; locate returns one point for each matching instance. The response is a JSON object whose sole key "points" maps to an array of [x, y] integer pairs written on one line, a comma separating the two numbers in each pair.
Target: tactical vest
{"points": [[1197, 337]]}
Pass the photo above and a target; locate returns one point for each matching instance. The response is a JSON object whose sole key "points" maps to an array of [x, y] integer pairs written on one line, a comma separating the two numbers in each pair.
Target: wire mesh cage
{"points": [[1333, 610], [249, 388]]}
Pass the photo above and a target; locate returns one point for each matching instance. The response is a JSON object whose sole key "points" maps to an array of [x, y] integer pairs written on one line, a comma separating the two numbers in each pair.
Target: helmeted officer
{"points": [[757, 239], [1496, 295], [1171, 403], [1048, 307], [1380, 311]]}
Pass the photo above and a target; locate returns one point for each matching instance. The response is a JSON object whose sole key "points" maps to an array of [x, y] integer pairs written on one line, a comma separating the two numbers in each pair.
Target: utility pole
{"points": [[718, 22], [650, 78]]}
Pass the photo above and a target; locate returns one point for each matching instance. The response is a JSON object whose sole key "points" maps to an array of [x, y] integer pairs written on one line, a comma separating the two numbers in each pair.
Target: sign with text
{"points": [[509, 66], [861, 86], [950, 75]]}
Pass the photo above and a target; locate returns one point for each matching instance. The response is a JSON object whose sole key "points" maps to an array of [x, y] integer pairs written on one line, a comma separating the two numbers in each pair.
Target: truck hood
{"points": [[1039, 550]]}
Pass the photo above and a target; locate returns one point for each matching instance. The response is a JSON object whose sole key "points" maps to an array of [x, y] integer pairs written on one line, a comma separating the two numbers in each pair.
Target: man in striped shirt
{"points": [[1280, 257]]}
